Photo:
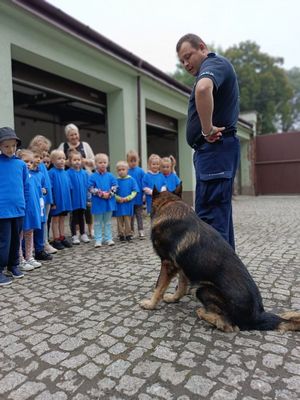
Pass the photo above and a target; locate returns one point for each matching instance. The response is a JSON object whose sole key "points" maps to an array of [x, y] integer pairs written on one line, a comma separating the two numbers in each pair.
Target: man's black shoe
{"points": [[42, 255]]}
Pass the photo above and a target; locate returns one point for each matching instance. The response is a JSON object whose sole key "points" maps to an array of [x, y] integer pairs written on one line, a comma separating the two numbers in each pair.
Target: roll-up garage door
{"points": [[162, 134], [44, 103]]}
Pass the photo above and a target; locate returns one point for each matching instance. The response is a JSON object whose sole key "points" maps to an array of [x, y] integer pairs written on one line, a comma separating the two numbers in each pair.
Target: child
{"points": [[40, 174], [13, 197], [102, 185], [33, 213], [125, 195], [62, 203], [153, 178], [79, 181], [46, 159], [138, 174], [43, 250], [45, 166], [168, 170]]}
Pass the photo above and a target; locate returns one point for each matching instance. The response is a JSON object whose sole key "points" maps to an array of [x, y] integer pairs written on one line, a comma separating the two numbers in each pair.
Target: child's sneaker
{"points": [[75, 240], [129, 238], [43, 255], [85, 238], [34, 263], [15, 272], [98, 244], [24, 266], [49, 249], [66, 243], [110, 243], [142, 235], [4, 280], [57, 244]]}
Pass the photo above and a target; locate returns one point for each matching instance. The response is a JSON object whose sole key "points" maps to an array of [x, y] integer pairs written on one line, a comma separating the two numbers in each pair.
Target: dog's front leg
{"points": [[181, 290], [167, 272]]}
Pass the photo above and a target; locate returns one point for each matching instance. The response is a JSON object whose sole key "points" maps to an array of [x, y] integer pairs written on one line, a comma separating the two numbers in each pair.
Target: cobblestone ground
{"points": [[74, 330]]}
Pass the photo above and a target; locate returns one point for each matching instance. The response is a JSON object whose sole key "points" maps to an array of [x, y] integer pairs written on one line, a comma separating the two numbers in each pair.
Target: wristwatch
{"points": [[209, 133]]}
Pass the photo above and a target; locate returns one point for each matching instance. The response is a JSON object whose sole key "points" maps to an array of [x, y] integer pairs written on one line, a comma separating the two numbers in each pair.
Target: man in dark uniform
{"points": [[211, 131]]}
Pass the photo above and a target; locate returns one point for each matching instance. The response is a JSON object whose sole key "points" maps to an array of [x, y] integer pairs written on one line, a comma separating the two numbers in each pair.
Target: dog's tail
{"points": [[289, 321]]}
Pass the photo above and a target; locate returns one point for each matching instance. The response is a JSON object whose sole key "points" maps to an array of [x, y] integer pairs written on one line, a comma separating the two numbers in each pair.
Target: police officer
{"points": [[211, 131]]}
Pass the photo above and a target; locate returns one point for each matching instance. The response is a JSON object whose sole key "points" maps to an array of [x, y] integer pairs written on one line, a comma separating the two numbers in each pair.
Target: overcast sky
{"points": [[150, 28]]}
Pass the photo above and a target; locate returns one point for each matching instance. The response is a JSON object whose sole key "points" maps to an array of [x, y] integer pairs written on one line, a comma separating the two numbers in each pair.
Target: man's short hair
{"points": [[191, 38]]}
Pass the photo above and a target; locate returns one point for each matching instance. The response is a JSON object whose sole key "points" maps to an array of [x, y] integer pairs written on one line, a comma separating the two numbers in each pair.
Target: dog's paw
{"points": [[200, 312], [227, 328], [147, 304], [170, 298]]}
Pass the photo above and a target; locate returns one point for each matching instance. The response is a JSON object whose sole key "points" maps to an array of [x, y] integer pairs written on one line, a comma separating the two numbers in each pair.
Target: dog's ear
{"points": [[178, 190], [155, 192]]}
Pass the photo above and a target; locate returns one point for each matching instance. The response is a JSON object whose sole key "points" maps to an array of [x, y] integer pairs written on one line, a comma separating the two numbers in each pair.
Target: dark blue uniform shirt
{"points": [[225, 93]]}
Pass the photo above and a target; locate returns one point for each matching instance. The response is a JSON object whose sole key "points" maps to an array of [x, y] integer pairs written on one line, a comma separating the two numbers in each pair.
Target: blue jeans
{"points": [[215, 165], [103, 222], [10, 229]]}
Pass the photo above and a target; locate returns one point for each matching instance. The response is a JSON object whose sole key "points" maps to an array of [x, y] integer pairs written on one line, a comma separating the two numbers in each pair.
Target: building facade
{"points": [[54, 70]]}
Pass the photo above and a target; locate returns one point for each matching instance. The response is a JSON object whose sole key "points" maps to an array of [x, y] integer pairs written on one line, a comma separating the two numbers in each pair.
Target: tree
{"points": [[264, 85], [294, 79]]}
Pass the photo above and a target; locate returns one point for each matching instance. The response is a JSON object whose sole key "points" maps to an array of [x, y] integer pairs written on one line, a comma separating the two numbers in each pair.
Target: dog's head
{"points": [[161, 198]]}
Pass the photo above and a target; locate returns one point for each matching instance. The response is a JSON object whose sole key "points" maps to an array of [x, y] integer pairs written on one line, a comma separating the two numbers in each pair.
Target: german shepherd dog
{"points": [[196, 252]]}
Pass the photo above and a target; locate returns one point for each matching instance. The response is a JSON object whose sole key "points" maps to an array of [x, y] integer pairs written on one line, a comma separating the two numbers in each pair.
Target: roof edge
{"points": [[67, 23]]}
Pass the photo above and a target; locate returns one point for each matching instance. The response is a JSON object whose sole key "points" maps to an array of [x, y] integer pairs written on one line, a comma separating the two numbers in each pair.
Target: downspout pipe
{"points": [[139, 121]]}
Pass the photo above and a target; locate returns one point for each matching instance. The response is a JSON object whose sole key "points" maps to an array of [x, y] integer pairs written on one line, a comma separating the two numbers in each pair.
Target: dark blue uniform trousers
{"points": [[215, 166], [10, 229]]}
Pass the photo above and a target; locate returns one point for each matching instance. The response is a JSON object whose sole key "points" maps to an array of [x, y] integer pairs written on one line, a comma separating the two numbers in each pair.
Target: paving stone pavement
{"points": [[73, 329]]}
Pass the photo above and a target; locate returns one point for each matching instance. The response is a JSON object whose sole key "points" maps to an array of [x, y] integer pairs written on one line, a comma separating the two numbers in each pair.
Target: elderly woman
{"points": [[73, 143]]}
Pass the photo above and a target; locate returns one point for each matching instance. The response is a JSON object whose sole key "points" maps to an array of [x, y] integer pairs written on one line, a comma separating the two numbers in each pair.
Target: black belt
{"points": [[228, 134]]}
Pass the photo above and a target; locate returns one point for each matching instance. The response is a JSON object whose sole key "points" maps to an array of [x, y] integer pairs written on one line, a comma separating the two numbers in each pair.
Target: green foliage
{"points": [[294, 79], [264, 86]]}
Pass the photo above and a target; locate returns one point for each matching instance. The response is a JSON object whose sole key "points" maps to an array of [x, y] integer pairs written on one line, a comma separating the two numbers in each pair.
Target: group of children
{"points": [[36, 189]]}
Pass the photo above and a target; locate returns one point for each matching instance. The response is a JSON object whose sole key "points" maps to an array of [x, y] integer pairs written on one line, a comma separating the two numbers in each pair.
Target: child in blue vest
{"points": [[79, 180], [102, 185], [153, 178], [62, 203], [46, 159], [40, 145], [126, 192], [33, 213], [168, 170], [13, 198], [138, 174], [40, 174]]}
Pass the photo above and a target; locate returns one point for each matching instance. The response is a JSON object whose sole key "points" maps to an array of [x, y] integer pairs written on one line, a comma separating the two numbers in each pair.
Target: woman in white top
{"points": [[73, 143]]}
